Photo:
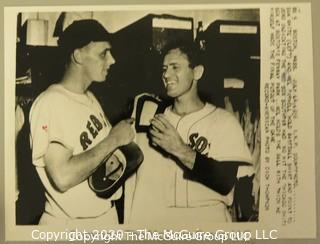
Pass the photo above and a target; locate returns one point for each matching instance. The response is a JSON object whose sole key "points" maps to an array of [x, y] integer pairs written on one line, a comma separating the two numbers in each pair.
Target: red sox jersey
{"points": [[77, 122], [161, 192]]}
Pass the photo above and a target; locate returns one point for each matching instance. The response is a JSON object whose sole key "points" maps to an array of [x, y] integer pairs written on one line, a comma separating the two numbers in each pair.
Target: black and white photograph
{"points": [[153, 117]]}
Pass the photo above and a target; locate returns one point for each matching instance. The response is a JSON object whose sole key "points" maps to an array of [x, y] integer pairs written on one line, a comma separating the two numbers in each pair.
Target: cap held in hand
{"points": [[115, 169]]}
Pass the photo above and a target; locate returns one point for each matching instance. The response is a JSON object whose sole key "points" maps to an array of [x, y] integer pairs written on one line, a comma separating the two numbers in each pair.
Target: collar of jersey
{"points": [[207, 108], [85, 98]]}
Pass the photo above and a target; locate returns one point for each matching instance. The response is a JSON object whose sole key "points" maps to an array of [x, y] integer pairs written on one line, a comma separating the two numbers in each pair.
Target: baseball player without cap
{"points": [[81, 32]]}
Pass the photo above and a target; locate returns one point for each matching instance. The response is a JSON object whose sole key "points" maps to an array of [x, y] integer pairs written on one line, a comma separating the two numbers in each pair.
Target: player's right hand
{"points": [[123, 132]]}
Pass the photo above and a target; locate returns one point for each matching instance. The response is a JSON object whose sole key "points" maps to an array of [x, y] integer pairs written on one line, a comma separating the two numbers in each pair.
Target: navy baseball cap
{"points": [[80, 33], [104, 185]]}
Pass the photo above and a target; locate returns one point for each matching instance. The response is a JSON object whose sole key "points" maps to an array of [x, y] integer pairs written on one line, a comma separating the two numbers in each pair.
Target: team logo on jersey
{"points": [[93, 127], [199, 143]]}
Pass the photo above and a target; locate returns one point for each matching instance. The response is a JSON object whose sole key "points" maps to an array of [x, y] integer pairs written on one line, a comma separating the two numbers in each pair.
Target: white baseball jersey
{"points": [[161, 193], [77, 122]]}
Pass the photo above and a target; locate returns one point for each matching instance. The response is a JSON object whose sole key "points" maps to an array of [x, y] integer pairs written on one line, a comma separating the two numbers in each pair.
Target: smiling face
{"points": [[96, 60], [178, 77]]}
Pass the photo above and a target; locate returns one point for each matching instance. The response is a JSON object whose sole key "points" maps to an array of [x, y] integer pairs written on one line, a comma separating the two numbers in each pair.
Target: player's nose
{"points": [[110, 59], [166, 73]]}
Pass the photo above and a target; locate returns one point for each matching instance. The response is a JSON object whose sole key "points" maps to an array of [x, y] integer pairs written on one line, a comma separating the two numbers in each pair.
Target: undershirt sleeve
{"points": [[220, 176]]}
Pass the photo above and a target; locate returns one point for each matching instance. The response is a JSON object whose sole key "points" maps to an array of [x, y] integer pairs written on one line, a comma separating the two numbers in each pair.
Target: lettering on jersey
{"points": [[199, 143], [96, 122], [93, 126]]}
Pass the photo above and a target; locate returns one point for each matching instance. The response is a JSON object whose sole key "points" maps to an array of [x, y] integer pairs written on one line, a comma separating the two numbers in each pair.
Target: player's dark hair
{"points": [[189, 48]]}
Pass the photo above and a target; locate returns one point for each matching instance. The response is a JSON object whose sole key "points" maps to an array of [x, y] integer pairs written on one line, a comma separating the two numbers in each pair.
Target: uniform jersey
{"points": [[77, 122], [161, 191]]}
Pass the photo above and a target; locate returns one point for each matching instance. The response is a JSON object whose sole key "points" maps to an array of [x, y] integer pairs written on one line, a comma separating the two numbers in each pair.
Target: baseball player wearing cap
{"points": [[192, 153], [70, 134]]}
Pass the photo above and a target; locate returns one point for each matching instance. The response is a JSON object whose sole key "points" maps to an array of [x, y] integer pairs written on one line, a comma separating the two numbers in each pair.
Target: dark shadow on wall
{"points": [[30, 204]]}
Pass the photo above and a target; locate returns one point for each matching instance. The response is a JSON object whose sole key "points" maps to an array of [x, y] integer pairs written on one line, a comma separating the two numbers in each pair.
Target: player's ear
{"points": [[76, 56], [198, 71]]}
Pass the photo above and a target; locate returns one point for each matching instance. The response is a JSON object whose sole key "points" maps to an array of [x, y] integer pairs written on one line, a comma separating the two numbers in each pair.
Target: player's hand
{"points": [[164, 135], [123, 132]]}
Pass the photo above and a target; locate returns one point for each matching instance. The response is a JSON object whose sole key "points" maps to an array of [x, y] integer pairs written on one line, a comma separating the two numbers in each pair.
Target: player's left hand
{"points": [[164, 135]]}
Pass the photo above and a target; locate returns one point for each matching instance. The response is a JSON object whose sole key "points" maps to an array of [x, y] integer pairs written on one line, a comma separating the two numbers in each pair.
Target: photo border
{"points": [[315, 19]]}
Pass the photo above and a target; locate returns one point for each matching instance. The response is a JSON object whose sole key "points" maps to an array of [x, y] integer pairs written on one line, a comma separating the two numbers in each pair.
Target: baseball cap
{"points": [[82, 32], [128, 157]]}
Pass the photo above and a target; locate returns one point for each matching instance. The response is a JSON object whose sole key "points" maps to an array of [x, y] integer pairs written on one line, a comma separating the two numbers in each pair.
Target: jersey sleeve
{"points": [[43, 130], [229, 143]]}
